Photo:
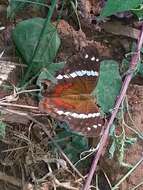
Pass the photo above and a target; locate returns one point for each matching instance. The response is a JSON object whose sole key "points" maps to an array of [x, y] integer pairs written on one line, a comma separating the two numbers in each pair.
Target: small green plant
{"points": [[121, 141]]}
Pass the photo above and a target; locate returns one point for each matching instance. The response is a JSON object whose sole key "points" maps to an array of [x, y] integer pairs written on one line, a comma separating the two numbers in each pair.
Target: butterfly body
{"points": [[71, 100]]}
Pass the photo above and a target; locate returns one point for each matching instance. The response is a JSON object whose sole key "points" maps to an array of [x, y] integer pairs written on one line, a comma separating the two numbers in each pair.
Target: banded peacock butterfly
{"points": [[70, 99]]}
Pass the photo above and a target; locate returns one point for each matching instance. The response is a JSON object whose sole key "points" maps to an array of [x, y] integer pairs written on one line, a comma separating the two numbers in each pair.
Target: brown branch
{"points": [[133, 64]]}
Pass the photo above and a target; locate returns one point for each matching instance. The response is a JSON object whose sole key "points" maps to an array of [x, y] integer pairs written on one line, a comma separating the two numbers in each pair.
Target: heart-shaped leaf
{"points": [[108, 86], [27, 35]]}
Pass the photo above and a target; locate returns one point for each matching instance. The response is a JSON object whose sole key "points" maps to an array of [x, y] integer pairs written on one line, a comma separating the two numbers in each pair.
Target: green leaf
{"points": [[108, 86], [2, 129], [116, 6], [26, 37], [72, 144]]}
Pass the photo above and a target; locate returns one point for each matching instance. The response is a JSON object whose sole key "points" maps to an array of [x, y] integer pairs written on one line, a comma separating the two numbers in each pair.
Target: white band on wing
{"points": [[78, 74]]}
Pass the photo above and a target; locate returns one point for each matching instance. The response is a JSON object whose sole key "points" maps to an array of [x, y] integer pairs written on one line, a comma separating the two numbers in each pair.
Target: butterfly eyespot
{"points": [[97, 60]]}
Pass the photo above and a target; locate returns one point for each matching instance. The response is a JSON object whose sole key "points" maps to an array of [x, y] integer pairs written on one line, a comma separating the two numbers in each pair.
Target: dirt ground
{"points": [[24, 150]]}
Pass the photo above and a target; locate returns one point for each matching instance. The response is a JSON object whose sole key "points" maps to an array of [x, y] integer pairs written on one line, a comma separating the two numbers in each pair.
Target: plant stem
{"points": [[134, 61]]}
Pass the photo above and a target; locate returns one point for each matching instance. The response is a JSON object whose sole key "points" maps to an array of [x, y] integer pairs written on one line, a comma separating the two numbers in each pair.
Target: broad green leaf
{"points": [[108, 86], [116, 6], [2, 129], [16, 6], [26, 36], [72, 144]]}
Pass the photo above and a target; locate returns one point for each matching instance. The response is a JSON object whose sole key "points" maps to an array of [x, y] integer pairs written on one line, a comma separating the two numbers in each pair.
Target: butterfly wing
{"points": [[82, 116], [70, 99]]}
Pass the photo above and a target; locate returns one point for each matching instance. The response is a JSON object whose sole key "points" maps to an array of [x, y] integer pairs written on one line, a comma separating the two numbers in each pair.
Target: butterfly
{"points": [[71, 99]]}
